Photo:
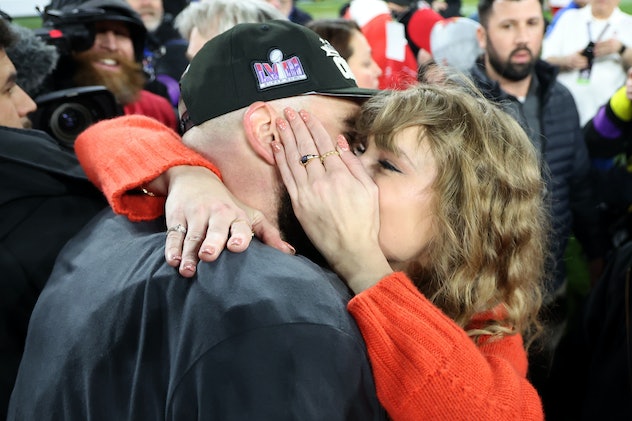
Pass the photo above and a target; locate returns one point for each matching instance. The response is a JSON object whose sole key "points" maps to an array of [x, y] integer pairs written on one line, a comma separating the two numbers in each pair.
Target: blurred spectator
{"points": [[112, 57], [511, 73], [347, 38], [164, 56], [418, 23], [290, 11], [454, 43], [573, 4], [201, 21], [590, 47], [446, 8], [387, 39], [608, 136]]}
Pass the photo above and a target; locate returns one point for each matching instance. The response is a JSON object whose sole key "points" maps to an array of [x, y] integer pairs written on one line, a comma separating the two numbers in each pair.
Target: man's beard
{"points": [[125, 84], [294, 234], [508, 70]]}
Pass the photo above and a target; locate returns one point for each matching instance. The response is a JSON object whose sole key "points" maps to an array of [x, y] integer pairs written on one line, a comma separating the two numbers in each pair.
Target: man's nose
{"points": [[107, 40]]}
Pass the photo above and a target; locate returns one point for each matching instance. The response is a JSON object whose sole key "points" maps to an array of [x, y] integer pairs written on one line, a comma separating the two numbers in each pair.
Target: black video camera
{"points": [[69, 30], [66, 113]]}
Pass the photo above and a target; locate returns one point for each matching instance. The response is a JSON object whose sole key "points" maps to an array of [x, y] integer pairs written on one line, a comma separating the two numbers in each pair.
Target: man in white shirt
{"points": [[609, 30]]}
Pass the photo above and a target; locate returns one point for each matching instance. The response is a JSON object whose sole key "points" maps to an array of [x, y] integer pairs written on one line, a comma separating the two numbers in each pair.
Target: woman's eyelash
{"points": [[387, 165]]}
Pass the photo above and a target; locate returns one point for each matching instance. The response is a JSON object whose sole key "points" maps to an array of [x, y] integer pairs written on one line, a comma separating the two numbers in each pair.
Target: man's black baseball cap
{"points": [[262, 62]]}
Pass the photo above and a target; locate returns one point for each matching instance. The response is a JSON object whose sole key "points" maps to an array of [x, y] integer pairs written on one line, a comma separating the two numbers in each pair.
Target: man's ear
{"points": [[260, 129], [481, 37]]}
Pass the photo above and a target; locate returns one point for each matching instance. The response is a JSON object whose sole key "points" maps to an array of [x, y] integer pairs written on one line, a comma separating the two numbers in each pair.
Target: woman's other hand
{"points": [[333, 197]]}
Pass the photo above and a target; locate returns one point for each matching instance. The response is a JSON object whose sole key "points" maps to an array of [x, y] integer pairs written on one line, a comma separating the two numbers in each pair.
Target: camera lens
{"points": [[68, 121]]}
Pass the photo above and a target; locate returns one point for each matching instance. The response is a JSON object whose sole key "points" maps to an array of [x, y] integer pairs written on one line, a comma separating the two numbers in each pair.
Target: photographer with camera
{"points": [[592, 46], [45, 198], [101, 42]]}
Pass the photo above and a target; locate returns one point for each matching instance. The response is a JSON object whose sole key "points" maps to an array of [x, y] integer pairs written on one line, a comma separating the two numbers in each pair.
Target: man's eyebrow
{"points": [[11, 79]]}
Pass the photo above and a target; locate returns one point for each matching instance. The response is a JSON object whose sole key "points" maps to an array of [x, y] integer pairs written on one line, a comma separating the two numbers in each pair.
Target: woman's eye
{"points": [[384, 164]]}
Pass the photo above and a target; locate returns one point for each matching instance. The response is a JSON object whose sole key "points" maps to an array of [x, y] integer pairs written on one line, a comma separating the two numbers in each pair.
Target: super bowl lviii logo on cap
{"points": [[279, 71]]}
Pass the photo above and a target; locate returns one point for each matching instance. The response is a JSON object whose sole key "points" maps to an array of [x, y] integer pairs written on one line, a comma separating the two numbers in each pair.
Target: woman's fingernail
{"points": [[342, 143], [276, 146], [208, 250], [281, 123], [290, 113], [189, 266], [304, 115]]}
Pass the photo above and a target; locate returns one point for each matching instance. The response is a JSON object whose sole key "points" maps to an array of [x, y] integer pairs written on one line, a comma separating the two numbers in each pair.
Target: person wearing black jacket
{"points": [[509, 72], [45, 199]]}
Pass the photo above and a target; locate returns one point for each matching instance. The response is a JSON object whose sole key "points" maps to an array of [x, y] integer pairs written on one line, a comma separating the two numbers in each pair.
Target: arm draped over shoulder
{"points": [[124, 153]]}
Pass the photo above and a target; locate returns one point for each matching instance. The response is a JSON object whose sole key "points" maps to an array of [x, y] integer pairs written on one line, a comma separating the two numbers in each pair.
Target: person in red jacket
{"points": [[387, 39], [446, 263]]}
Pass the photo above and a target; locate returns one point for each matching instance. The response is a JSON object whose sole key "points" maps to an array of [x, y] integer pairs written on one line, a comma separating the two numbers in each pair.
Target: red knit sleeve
{"points": [[125, 153], [426, 367]]}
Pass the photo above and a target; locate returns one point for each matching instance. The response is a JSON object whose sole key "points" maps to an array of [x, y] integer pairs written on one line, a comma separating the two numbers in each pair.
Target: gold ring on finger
{"points": [[326, 154]]}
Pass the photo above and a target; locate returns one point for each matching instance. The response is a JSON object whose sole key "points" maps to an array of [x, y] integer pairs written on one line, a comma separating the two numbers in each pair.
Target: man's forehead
{"points": [[504, 8]]}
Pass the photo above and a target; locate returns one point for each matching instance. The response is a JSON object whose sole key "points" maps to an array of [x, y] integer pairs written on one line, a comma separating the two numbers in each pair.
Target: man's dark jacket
{"points": [[45, 198], [117, 334], [572, 203]]}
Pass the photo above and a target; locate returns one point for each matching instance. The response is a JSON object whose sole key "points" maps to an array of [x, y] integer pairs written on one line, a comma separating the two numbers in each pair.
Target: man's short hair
{"points": [[7, 37]]}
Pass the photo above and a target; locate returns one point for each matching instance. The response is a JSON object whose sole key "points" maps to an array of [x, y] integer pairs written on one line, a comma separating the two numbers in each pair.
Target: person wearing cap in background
{"points": [[113, 59], [118, 334]]}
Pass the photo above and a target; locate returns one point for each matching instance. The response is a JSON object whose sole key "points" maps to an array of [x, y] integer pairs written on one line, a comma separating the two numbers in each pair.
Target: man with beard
{"points": [[510, 72], [113, 60], [118, 334]]}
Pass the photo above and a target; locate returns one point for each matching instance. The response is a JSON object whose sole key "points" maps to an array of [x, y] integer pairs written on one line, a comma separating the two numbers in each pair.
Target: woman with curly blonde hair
{"points": [[438, 226], [489, 226]]}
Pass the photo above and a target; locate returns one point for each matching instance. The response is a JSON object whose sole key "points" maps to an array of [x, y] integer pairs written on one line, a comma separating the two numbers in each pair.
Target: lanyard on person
{"points": [[603, 31]]}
